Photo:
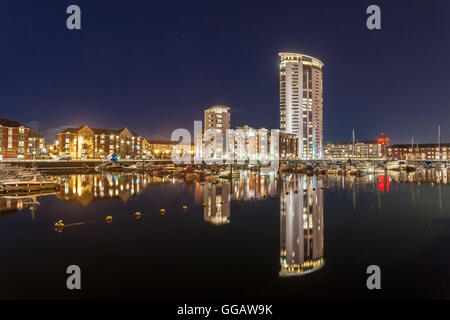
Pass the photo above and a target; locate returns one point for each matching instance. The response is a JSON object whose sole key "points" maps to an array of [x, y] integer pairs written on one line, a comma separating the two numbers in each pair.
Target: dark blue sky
{"points": [[155, 65]]}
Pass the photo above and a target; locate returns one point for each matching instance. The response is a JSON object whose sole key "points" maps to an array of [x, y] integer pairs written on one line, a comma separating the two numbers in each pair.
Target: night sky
{"points": [[153, 66]]}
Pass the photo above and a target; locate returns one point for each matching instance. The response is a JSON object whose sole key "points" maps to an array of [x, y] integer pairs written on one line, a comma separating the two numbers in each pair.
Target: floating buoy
{"points": [[184, 208], [137, 214], [162, 211], [203, 205], [59, 224], [108, 219]]}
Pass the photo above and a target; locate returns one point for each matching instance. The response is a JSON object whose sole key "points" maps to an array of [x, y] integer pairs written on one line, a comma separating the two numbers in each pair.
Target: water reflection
{"points": [[216, 197], [16, 202], [86, 188], [301, 225]]}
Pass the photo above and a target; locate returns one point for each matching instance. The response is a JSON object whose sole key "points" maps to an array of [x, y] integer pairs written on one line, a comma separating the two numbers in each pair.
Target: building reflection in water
{"points": [[17, 202], [301, 225], [217, 199], [217, 196], [85, 188]]}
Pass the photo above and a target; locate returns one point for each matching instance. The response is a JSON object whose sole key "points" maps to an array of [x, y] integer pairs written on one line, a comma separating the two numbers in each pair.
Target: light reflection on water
{"points": [[302, 203]]}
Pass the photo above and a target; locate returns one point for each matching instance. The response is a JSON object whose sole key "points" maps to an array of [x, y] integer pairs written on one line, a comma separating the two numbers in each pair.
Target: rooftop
{"points": [[10, 123], [284, 55], [222, 108]]}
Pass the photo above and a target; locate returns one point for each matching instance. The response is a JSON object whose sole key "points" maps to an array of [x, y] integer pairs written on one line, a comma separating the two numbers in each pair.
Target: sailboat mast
{"points": [[439, 140], [353, 142]]}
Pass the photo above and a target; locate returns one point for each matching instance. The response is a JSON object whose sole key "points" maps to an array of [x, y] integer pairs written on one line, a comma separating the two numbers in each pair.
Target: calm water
{"points": [[272, 236]]}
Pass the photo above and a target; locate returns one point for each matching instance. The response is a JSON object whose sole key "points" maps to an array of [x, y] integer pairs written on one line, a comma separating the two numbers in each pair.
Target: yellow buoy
{"points": [[137, 214], [59, 224], [184, 208], [203, 204], [108, 219], [163, 211]]}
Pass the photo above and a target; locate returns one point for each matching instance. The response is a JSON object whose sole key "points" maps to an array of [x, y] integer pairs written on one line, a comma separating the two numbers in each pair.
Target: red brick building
{"points": [[430, 151], [13, 140]]}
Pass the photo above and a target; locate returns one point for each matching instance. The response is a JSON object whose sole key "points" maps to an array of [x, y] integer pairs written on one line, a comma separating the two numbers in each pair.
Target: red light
{"points": [[381, 183]]}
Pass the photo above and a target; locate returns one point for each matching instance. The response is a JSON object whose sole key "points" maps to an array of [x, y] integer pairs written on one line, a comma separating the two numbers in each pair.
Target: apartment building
{"points": [[94, 143], [426, 152], [371, 149], [248, 144], [13, 140], [301, 102], [36, 145]]}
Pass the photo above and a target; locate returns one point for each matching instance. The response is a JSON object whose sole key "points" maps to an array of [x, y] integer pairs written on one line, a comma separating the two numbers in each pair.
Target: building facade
{"points": [[426, 152], [159, 149], [13, 140], [301, 102], [217, 118], [372, 149], [36, 145], [92, 143], [248, 143]]}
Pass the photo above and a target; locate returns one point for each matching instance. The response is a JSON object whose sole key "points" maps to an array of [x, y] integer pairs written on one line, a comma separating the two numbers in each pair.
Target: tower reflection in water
{"points": [[301, 225]]}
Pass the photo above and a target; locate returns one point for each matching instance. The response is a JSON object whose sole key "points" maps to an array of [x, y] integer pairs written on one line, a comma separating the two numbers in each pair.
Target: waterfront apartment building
{"points": [[218, 118], [301, 102], [426, 152], [13, 140], [36, 145], [372, 149], [92, 143], [248, 144], [158, 149]]}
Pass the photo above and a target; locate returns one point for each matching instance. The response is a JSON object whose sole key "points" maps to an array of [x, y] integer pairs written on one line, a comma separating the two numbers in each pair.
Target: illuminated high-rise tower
{"points": [[301, 102]]}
